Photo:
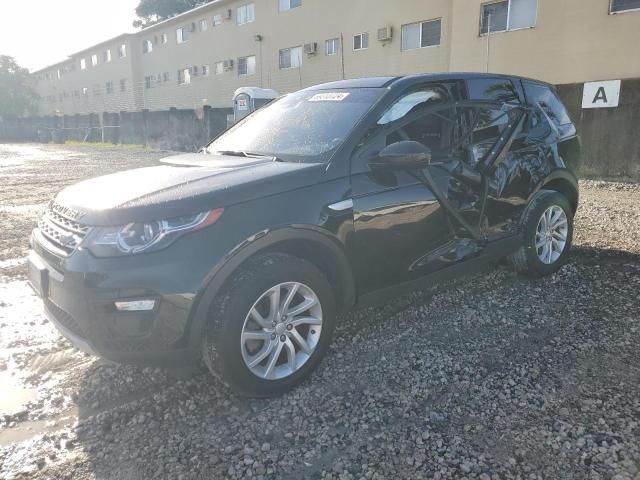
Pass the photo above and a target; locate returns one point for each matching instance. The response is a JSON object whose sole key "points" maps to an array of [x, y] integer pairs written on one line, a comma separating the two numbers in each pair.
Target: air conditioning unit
{"points": [[229, 15], [311, 48], [227, 65], [385, 34]]}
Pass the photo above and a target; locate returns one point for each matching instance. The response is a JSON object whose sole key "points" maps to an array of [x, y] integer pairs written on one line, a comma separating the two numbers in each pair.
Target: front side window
{"points": [[246, 14], [290, 58], [307, 126], [414, 101], [289, 4], [361, 41], [247, 65], [618, 6], [332, 46], [508, 15], [421, 34]]}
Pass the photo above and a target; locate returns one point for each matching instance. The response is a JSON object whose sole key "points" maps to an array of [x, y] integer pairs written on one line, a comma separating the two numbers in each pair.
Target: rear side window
{"points": [[493, 89], [548, 101]]}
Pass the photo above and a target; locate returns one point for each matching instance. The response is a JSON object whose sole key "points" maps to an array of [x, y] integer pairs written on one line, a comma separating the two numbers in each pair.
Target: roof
{"points": [[214, 3], [122, 36], [386, 82]]}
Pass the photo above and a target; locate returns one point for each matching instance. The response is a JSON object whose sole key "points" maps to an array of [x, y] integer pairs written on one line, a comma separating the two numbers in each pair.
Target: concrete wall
{"points": [[180, 130], [610, 140]]}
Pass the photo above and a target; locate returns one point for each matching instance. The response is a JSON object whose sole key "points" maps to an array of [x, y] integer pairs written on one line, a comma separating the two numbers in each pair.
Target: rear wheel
{"points": [[547, 231], [271, 328]]}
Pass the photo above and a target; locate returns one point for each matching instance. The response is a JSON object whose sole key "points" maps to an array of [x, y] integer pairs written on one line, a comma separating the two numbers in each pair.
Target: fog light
{"points": [[136, 306]]}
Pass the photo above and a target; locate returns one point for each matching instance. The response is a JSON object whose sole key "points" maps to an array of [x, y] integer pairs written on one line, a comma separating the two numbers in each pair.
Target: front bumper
{"points": [[79, 295]]}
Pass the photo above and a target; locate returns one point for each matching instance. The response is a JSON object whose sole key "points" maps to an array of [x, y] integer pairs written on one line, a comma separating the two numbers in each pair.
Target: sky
{"points": [[39, 33]]}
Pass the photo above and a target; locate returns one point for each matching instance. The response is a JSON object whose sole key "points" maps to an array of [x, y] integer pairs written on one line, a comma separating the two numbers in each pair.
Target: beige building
{"points": [[202, 56]]}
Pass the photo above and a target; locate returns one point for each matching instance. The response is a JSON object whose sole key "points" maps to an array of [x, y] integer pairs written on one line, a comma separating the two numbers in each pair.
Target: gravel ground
{"points": [[493, 377]]}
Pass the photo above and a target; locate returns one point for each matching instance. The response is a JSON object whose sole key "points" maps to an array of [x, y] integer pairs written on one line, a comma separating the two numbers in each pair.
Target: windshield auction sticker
{"points": [[329, 97]]}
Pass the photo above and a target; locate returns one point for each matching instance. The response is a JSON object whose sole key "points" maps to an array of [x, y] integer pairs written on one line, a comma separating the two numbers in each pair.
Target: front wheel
{"points": [[547, 230], [271, 327]]}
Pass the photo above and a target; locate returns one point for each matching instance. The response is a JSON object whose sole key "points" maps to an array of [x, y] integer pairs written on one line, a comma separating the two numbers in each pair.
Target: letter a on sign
{"points": [[601, 94]]}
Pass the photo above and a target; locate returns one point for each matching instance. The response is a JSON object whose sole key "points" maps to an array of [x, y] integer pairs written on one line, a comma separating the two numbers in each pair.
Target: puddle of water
{"points": [[24, 209], [12, 263], [14, 396], [28, 430]]}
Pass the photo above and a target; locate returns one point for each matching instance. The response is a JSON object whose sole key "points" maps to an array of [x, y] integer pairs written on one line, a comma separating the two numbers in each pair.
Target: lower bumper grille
{"points": [[66, 320]]}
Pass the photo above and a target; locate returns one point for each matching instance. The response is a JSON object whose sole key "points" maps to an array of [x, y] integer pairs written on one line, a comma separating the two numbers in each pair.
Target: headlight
{"points": [[148, 236]]}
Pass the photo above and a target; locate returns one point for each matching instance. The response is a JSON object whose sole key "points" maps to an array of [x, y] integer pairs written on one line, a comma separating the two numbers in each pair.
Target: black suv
{"points": [[336, 196]]}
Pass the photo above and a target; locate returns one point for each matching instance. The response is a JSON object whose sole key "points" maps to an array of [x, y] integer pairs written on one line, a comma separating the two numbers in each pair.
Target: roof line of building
{"points": [[214, 3]]}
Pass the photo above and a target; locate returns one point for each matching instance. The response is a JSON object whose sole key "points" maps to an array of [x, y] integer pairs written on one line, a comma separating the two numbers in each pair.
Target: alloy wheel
{"points": [[551, 235], [281, 331]]}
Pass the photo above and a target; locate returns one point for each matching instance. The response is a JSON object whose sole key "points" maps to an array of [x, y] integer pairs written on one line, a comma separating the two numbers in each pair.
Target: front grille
{"points": [[66, 320], [63, 233]]}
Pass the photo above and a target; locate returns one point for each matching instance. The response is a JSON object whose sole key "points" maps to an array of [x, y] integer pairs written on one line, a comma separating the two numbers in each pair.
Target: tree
{"points": [[17, 95], [150, 12]]}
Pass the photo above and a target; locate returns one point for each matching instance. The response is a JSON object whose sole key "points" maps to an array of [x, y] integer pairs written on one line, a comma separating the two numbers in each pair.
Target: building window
{"points": [[109, 87], [122, 51], [164, 38], [332, 46], [361, 41], [290, 58], [123, 85], [246, 14], [206, 71], [217, 20], [106, 56], [421, 34], [147, 46], [59, 74], [94, 60], [165, 76], [247, 66], [182, 35], [83, 64], [184, 76], [204, 25], [619, 6], [85, 91], [289, 4], [218, 68], [147, 82], [508, 15]]}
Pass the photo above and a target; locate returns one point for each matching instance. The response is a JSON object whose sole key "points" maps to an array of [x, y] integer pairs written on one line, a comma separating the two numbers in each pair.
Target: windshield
{"points": [[306, 126]]}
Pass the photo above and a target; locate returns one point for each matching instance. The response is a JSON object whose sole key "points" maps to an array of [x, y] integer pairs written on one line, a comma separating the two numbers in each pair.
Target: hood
{"points": [[185, 184]]}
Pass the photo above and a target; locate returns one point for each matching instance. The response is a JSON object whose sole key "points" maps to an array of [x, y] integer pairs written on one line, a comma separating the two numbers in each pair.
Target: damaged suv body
{"points": [[337, 196]]}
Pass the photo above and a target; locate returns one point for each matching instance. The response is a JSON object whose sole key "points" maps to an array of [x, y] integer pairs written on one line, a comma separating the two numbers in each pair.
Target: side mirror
{"points": [[405, 155]]}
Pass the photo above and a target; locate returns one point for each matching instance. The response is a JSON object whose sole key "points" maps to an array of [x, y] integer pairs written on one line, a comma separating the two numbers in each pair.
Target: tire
{"points": [[228, 354], [538, 262]]}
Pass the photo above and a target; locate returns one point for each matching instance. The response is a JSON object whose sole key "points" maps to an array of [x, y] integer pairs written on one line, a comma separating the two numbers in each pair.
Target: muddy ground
{"points": [[493, 377]]}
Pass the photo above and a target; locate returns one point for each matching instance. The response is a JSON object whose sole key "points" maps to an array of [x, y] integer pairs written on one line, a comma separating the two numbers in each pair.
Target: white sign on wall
{"points": [[601, 94]]}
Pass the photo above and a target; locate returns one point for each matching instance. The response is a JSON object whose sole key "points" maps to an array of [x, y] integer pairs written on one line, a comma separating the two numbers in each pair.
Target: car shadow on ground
{"points": [[491, 362]]}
